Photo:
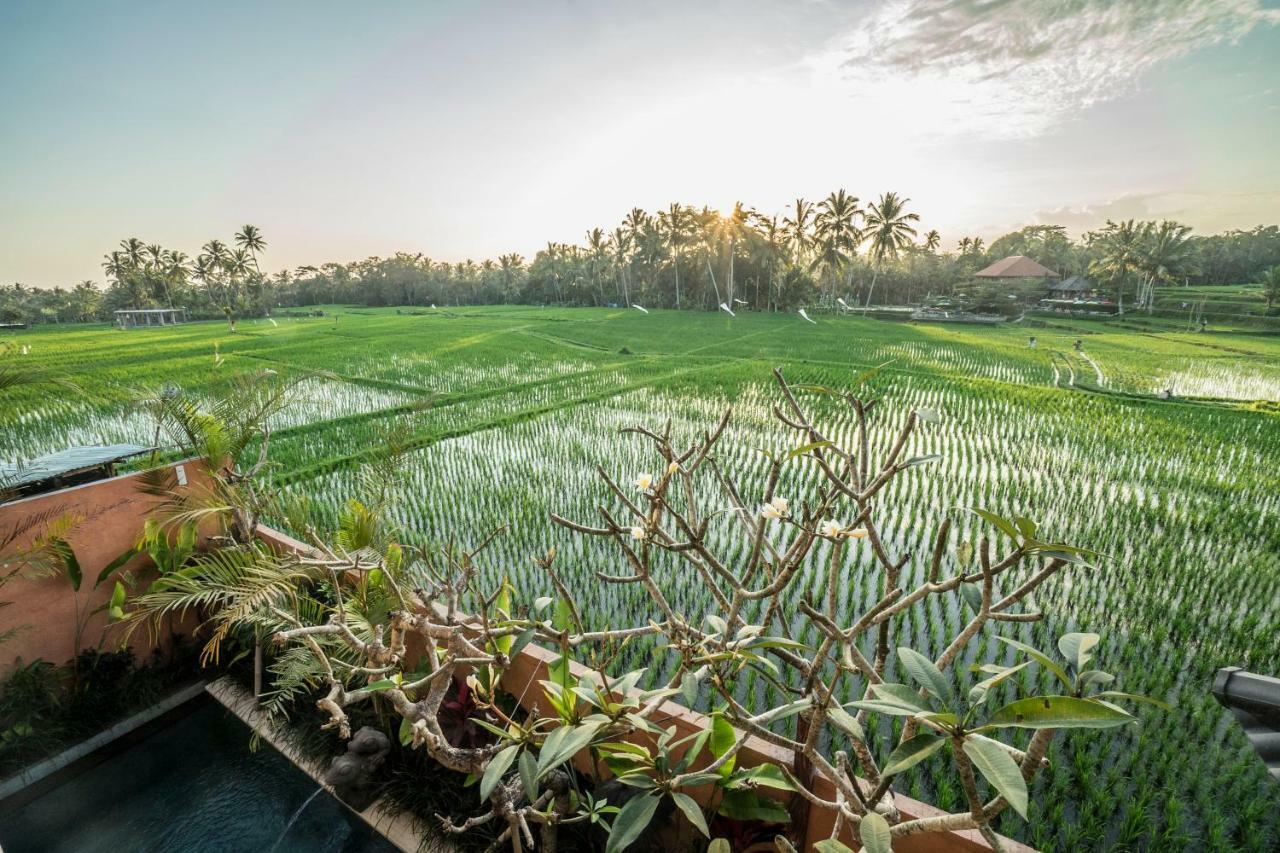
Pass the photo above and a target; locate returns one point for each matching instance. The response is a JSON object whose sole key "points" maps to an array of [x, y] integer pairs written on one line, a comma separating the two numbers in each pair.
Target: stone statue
{"points": [[354, 774]]}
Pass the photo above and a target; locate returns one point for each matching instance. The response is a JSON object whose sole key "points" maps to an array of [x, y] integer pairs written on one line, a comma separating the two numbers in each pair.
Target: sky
{"points": [[470, 129]]}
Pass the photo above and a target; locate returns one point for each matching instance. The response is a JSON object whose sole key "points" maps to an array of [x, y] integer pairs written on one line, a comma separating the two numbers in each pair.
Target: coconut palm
{"points": [[673, 224], [1120, 246], [889, 229], [1168, 256], [799, 229], [932, 239], [250, 239], [837, 236], [598, 252]]}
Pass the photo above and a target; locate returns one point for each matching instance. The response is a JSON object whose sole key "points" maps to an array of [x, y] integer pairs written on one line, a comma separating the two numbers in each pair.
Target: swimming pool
{"points": [[191, 787]]}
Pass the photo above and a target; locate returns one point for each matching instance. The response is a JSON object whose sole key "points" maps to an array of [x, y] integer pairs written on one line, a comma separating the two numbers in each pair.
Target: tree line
{"points": [[837, 252]]}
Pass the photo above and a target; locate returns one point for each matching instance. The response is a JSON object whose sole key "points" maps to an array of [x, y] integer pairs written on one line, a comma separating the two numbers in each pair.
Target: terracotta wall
{"points": [[529, 667], [109, 518]]}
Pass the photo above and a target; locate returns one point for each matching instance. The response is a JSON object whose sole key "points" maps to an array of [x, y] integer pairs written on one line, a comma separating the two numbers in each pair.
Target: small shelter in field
{"points": [[1018, 267], [1075, 287], [134, 318], [70, 467]]}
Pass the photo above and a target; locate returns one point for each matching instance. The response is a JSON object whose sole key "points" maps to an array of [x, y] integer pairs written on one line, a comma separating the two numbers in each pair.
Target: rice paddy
{"points": [[507, 411]]}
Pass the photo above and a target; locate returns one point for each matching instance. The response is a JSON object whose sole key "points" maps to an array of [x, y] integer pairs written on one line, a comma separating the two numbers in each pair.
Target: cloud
{"points": [[1208, 212], [1015, 68]]}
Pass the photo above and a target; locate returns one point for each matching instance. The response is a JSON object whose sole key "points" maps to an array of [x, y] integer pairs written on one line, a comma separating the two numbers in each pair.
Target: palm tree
{"points": [[1120, 248], [773, 245], [250, 239], [620, 241], [1169, 256], [837, 235], [673, 224], [132, 249], [598, 251], [888, 225], [931, 241], [798, 228]]}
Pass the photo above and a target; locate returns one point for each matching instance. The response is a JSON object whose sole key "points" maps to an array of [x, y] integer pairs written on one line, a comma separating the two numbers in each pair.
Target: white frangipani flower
{"points": [[775, 508], [644, 482], [830, 529], [638, 533]]}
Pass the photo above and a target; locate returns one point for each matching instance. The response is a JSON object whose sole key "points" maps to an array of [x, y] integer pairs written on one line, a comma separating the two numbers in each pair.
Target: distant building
{"points": [[1075, 287], [133, 318], [1016, 267]]}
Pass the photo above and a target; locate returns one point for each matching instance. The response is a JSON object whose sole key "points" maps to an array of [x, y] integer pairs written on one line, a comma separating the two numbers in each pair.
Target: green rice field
{"points": [[506, 412]]}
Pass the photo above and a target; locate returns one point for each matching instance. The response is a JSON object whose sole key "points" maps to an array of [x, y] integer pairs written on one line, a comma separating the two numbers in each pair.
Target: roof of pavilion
{"points": [[1016, 266]]}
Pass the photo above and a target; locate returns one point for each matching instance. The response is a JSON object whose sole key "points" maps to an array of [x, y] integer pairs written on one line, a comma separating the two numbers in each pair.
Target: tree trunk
{"points": [[875, 273]]}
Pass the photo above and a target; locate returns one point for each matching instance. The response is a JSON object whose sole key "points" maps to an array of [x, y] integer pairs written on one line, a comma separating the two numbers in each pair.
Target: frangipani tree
{"points": [[346, 615]]}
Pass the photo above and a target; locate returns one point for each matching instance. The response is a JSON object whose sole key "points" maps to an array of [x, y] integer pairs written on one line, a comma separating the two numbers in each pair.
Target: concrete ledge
{"points": [[49, 766], [396, 826]]}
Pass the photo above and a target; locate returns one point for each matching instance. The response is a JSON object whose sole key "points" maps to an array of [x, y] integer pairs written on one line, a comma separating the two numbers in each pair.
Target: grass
{"points": [[507, 411]]}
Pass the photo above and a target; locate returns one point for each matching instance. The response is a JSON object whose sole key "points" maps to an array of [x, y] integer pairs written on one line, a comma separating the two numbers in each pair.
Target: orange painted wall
{"points": [[110, 516]]}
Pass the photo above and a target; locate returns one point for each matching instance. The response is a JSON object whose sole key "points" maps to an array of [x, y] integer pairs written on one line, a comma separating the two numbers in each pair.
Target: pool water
{"points": [[192, 787]]}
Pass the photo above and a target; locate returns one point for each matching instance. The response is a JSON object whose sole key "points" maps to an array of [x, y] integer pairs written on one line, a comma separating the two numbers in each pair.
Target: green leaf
{"points": [[689, 688], [924, 673], [562, 620], [830, 845], [1025, 526], [921, 460], [406, 731], [1001, 523], [566, 746], [115, 610], [630, 822], [1135, 697], [529, 775], [846, 722], [523, 639], [761, 776], [719, 845], [745, 804], [497, 768], [910, 753], [979, 691], [114, 566], [805, 448], [873, 832], [722, 740], [1040, 658], [70, 564], [1000, 770], [1076, 648], [900, 694], [380, 684], [972, 595], [1058, 712], [692, 811]]}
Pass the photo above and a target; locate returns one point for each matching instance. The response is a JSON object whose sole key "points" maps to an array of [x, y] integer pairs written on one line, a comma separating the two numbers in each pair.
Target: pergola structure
{"points": [[132, 318]]}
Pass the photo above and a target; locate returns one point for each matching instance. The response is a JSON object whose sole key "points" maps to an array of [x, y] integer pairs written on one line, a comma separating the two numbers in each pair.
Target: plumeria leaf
{"points": [[497, 768], [630, 822], [924, 673], [1077, 648], [1040, 658], [692, 811], [1058, 712], [911, 752], [1000, 770], [873, 832]]}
